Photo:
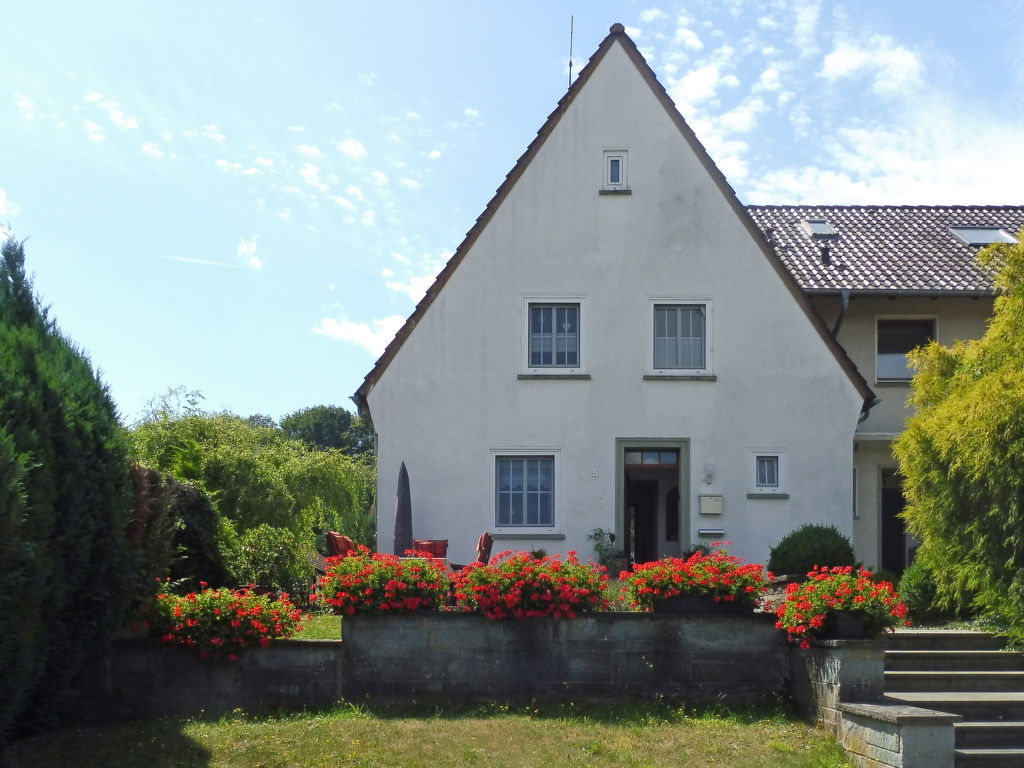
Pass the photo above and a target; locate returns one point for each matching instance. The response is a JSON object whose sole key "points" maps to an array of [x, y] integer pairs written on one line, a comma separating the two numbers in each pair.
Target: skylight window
{"points": [[982, 235], [817, 228]]}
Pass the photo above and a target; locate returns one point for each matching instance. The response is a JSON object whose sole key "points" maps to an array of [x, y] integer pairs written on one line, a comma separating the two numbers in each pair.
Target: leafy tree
{"points": [[65, 505], [962, 456], [328, 426]]}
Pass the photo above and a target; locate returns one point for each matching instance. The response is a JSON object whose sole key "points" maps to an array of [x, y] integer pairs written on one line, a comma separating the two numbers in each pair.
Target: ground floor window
{"points": [[525, 490]]}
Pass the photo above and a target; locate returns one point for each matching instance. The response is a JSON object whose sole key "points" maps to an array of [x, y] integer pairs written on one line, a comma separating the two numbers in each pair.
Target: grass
{"points": [[635, 735], [322, 626]]}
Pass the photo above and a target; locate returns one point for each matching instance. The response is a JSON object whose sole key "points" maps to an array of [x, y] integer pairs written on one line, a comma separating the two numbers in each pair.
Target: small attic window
{"points": [[615, 167], [982, 235], [818, 228]]}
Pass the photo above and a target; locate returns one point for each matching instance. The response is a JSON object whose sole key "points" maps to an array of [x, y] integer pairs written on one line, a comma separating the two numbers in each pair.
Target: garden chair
{"points": [[483, 550], [436, 547], [338, 545]]}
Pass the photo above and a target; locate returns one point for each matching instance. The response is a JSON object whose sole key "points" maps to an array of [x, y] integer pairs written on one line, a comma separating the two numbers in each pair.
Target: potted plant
{"points": [[840, 602], [519, 585], [712, 581], [359, 582]]}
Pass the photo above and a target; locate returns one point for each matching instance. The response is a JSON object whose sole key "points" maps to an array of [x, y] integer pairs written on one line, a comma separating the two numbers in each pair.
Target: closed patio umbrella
{"points": [[403, 513]]}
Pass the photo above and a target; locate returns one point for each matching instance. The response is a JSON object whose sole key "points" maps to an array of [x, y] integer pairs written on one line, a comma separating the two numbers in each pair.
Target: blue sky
{"points": [[248, 198]]}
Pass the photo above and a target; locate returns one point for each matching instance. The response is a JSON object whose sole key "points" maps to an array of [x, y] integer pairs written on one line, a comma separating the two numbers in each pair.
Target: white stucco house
{"points": [[619, 343]]}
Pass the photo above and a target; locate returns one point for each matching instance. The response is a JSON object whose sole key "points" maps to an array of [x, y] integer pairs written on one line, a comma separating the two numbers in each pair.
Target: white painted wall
{"points": [[451, 396]]}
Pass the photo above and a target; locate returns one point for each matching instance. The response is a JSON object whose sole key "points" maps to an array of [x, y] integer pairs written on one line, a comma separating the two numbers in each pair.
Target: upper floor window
{"points": [[897, 337], [769, 471], [554, 336], [680, 337], [615, 169]]}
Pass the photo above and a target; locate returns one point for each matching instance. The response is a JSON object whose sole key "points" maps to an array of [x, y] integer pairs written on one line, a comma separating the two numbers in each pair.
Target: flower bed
{"points": [[221, 622], [519, 585], [359, 582], [828, 591], [716, 574]]}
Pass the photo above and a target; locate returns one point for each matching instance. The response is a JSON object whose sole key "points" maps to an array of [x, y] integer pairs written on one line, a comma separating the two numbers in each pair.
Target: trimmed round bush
{"points": [[810, 545]]}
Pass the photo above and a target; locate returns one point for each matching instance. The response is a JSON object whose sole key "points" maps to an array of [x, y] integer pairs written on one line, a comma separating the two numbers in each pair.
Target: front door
{"points": [[894, 532], [652, 490]]}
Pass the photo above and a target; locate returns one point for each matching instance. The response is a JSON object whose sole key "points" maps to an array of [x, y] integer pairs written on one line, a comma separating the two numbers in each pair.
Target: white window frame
{"points": [[779, 454], [680, 301], [583, 333], [622, 156], [518, 452], [879, 319]]}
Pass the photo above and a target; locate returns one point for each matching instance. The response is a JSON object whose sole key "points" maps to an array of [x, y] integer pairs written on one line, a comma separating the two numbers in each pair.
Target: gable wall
{"points": [[451, 396]]}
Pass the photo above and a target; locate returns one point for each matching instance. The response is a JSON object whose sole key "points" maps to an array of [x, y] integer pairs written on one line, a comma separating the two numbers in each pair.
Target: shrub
{"points": [[272, 557], [604, 547], [518, 585], [808, 546], [831, 590], [719, 575], [381, 583], [919, 591], [66, 570], [221, 622]]}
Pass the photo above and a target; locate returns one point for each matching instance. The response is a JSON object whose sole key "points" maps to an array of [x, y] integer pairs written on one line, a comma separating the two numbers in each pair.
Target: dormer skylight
{"points": [[818, 229], [982, 235]]}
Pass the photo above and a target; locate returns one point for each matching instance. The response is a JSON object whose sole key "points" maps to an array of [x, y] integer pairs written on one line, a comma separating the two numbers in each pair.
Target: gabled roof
{"points": [[887, 249], [616, 34]]}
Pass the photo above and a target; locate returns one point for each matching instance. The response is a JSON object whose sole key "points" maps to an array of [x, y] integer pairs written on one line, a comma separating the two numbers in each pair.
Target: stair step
{"points": [[954, 680], [988, 758], [989, 735], [934, 661], [943, 639], [975, 706]]}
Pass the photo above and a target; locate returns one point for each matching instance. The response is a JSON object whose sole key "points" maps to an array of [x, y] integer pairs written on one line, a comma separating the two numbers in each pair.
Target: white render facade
{"points": [[740, 428]]}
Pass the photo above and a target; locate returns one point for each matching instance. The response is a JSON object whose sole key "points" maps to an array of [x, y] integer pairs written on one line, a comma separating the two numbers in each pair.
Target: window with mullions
{"points": [[680, 334], [525, 491], [554, 336], [766, 473]]}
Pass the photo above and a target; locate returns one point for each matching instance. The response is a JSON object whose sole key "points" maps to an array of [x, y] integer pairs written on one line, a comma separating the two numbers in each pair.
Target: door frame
{"points": [[681, 444]]}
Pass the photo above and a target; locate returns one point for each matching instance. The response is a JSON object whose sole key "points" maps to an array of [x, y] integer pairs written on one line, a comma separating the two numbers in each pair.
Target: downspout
{"points": [[845, 297]]}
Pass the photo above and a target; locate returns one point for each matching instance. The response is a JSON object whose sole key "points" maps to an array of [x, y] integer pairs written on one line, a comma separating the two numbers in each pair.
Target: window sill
{"points": [[570, 376], [615, 192], [527, 535], [893, 383], [680, 377], [767, 495]]}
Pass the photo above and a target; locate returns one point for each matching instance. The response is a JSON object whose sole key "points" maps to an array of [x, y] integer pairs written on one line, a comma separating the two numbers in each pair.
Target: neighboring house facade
{"points": [[618, 343]]}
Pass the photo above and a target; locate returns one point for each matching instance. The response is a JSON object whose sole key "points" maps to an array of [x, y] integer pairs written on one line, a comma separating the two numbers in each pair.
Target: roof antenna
{"points": [[570, 51]]}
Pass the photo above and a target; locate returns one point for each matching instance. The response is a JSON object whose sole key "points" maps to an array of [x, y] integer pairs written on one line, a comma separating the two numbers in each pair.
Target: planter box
{"points": [[700, 604]]}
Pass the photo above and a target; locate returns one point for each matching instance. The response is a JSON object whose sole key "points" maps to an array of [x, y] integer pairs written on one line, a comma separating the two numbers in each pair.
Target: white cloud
{"points": [[411, 115], [352, 148], [410, 183], [94, 96], [94, 130], [685, 36], [367, 78], [379, 178], [387, 272], [413, 287], [373, 337], [25, 105], [213, 132], [805, 37], [7, 206], [296, 128], [769, 80], [308, 150], [893, 67], [767, 22], [246, 253], [227, 165], [343, 202], [251, 172], [471, 113], [311, 174], [264, 161], [284, 213], [356, 192], [697, 85], [152, 149], [743, 118], [434, 154], [369, 218], [118, 117], [652, 14]]}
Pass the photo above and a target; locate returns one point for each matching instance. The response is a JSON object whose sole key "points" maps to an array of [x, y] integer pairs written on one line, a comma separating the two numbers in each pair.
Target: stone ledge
{"points": [[898, 713]]}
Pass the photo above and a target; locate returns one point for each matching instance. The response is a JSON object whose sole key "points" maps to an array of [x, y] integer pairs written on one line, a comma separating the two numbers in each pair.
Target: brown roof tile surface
{"points": [[885, 248]]}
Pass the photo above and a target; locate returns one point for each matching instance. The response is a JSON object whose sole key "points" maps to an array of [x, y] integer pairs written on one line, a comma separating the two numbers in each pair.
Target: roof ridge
{"points": [[885, 206]]}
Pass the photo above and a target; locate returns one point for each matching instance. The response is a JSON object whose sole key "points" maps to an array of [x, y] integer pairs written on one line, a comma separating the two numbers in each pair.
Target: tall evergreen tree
{"points": [[65, 501]]}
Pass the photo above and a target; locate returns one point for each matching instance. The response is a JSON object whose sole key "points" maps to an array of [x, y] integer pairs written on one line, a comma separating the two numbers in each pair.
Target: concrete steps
{"points": [[966, 673]]}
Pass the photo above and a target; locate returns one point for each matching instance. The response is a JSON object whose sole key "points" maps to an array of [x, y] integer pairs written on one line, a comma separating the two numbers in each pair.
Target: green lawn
{"points": [[322, 626], [624, 734]]}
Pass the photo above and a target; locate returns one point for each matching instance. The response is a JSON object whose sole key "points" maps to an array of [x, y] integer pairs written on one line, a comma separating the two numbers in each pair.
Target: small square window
{"points": [[615, 170], [768, 471], [897, 337]]}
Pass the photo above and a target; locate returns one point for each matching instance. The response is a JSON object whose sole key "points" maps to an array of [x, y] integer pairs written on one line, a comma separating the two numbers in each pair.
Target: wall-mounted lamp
{"points": [[709, 471]]}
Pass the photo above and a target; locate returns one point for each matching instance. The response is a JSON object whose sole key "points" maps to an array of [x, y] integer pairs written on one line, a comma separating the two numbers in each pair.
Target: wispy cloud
{"points": [[892, 67], [311, 173], [213, 132], [204, 262], [246, 253], [7, 206], [152, 149], [296, 128], [94, 131], [352, 148], [118, 117], [25, 105], [410, 183], [373, 336], [308, 150]]}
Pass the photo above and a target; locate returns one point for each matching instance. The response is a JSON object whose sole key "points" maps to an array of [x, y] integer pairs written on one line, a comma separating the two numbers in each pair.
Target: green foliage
{"points": [[917, 590], [365, 583], [328, 426], [258, 475], [604, 547], [65, 505], [962, 457], [275, 557], [810, 545]]}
